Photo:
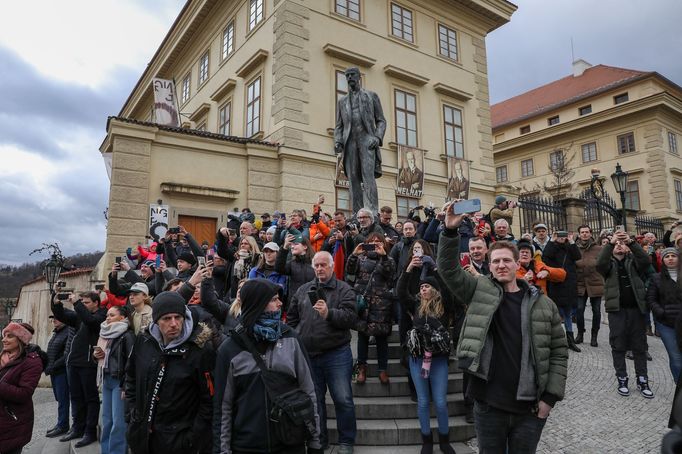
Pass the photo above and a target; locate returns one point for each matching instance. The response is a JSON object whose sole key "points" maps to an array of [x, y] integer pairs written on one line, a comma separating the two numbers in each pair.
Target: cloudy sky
{"points": [[63, 71]]}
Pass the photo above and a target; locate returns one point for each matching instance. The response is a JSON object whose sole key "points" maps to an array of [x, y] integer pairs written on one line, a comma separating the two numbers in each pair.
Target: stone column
{"points": [[575, 213]]}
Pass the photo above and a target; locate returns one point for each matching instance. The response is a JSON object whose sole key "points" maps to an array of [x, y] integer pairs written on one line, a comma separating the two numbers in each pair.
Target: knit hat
{"points": [[188, 257], [255, 295], [167, 303], [149, 263], [669, 250], [271, 230], [500, 199], [22, 331], [432, 281], [140, 287], [525, 244]]}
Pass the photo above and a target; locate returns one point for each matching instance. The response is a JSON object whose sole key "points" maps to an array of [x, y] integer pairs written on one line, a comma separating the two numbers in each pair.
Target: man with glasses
{"points": [[367, 225]]}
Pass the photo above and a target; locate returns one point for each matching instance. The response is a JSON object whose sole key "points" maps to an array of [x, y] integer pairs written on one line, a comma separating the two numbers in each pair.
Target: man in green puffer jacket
{"points": [[512, 344]]}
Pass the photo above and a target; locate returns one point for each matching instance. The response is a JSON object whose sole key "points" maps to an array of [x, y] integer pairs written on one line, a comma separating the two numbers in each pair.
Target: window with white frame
{"points": [[343, 201], [255, 13], [589, 151], [224, 114], [447, 40], [632, 196], [501, 174], [203, 68], [184, 97], [405, 118], [405, 204], [626, 143], [672, 142], [401, 23], [228, 41], [253, 108], [678, 194], [556, 159], [527, 168], [454, 136], [348, 8]]}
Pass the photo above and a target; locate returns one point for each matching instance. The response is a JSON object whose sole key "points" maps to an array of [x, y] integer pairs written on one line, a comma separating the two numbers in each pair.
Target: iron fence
{"points": [[535, 209], [650, 224], [600, 214]]}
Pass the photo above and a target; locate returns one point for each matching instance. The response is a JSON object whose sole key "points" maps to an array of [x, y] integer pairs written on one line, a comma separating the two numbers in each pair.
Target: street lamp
{"points": [[620, 182], [51, 271]]}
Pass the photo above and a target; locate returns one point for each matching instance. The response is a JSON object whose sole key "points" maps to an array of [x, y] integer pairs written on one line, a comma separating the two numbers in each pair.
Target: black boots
{"points": [[593, 339], [579, 337], [427, 444], [571, 342], [444, 444]]}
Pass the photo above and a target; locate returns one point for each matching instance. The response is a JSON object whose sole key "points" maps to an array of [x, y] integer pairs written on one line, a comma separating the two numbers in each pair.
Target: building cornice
{"points": [[348, 55]]}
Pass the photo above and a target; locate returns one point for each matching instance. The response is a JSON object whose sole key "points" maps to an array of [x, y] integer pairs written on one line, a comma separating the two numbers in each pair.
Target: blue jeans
{"points": [[333, 370], [500, 432], [113, 418], [382, 350], [595, 302], [438, 382], [60, 389], [670, 342], [566, 313]]}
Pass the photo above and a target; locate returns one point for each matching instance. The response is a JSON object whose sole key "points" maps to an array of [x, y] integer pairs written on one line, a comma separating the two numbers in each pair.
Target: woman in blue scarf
{"points": [[241, 421]]}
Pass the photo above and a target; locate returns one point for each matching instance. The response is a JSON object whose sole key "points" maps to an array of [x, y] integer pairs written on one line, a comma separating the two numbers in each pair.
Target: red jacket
{"points": [[18, 380]]}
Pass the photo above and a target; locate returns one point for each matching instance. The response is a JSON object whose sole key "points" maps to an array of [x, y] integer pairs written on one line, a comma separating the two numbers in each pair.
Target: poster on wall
{"points": [[410, 173], [341, 180], [165, 103], [158, 221], [458, 178]]}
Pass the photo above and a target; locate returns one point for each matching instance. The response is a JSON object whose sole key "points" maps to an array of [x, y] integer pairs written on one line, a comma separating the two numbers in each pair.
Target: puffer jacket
{"points": [[241, 419], [299, 270], [57, 349], [589, 280], [18, 381], [562, 255], [664, 298], [543, 328], [184, 407], [637, 263], [321, 228], [372, 275], [536, 265]]}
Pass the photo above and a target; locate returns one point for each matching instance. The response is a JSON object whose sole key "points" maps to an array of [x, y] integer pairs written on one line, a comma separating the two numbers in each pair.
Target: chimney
{"points": [[579, 67]]}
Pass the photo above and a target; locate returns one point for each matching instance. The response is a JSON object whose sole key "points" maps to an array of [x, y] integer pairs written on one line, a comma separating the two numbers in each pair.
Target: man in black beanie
{"points": [[168, 381]]}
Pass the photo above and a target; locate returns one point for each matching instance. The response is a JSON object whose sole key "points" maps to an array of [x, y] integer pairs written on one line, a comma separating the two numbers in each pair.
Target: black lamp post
{"points": [[620, 182], [52, 269]]}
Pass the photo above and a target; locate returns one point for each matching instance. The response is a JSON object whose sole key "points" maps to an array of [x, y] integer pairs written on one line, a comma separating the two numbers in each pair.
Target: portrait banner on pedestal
{"points": [[458, 179], [410, 172]]}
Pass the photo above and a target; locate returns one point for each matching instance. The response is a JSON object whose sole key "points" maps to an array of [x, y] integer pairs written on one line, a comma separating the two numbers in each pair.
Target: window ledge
{"points": [[341, 17], [200, 112], [224, 89], [405, 75], [255, 28], [348, 55], [252, 63], [452, 92], [202, 191]]}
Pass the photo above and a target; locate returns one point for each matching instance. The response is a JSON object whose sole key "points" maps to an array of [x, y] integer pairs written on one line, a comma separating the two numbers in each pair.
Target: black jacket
{"points": [[372, 277], [558, 255], [664, 298], [184, 407], [320, 335], [87, 326], [119, 352], [57, 350], [298, 269]]}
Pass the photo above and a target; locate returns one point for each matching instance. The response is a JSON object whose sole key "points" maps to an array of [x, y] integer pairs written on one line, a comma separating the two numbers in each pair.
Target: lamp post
{"points": [[597, 189], [620, 182], [51, 271]]}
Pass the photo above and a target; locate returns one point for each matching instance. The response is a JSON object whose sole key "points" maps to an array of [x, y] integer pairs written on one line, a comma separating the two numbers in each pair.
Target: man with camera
{"points": [[323, 313], [503, 209], [86, 317]]}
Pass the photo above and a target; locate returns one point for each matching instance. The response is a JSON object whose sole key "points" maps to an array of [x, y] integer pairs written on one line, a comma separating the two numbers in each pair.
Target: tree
{"points": [[561, 172]]}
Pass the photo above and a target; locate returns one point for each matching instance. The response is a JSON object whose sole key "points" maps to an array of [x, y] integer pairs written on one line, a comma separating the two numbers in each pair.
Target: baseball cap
{"points": [[139, 287]]}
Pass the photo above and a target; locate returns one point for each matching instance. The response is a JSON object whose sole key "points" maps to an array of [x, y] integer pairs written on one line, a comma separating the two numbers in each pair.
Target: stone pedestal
{"points": [[575, 213]]}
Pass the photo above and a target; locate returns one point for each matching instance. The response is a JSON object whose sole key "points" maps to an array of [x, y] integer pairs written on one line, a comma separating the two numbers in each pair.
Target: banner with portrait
{"points": [[458, 178], [410, 172], [165, 103]]}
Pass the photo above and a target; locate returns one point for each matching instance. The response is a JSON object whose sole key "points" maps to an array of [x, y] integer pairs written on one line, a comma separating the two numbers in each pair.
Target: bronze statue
{"points": [[359, 134]]}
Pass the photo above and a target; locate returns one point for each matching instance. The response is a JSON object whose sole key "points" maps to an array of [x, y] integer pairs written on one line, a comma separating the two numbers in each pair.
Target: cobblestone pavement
{"points": [[45, 408], [595, 419]]}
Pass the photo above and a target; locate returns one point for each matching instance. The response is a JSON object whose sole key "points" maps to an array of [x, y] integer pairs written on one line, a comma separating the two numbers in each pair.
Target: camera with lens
{"points": [[429, 212], [352, 225]]}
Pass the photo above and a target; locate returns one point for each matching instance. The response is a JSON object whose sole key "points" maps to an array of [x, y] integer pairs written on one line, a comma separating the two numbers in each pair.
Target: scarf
{"points": [[107, 333], [268, 327], [8, 357], [673, 273], [339, 260]]}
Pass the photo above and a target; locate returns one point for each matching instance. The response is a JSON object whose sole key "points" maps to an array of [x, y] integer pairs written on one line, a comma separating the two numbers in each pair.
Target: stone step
{"points": [[396, 370], [460, 448], [398, 387], [89, 449], [396, 407], [387, 432]]}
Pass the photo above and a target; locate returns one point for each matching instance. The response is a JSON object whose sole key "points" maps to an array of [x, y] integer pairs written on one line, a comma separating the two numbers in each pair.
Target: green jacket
{"points": [[637, 263], [544, 352]]}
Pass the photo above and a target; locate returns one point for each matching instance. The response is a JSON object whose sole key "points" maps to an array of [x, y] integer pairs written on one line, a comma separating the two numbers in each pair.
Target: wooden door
{"points": [[201, 228]]}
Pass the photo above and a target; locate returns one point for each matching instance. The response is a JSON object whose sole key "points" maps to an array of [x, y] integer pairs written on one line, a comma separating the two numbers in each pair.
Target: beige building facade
{"points": [[599, 116], [257, 83]]}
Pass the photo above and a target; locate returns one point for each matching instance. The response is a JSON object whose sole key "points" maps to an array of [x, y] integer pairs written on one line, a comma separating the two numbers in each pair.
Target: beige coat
{"points": [[589, 280]]}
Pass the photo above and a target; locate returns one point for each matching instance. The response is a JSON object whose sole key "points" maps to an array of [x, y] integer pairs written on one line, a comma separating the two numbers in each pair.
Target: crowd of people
{"points": [[232, 347]]}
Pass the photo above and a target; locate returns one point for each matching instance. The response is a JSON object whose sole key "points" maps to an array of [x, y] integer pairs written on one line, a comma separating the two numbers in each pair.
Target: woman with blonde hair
{"points": [[246, 257], [141, 303], [429, 346]]}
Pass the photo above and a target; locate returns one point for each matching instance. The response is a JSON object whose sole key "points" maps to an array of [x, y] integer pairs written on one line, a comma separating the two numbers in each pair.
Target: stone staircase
{"points": [[387, 417]]}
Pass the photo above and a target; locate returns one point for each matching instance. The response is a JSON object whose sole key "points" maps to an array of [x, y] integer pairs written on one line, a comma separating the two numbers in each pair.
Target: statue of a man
{"points": [[359, 132]]}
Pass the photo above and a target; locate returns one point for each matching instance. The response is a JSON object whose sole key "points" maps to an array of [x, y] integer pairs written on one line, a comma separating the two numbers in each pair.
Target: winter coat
{"points": [[664, 298], [56, 350], [400, 251], [18, 381], [315, 228], [119, 352], [183, 408], [637, 263], [87, 326], [563, 255], [299, 270], [541, 324], [589, 280], [273, 276], [241, 417], [372, 275], [320, 335], [537, 265]]}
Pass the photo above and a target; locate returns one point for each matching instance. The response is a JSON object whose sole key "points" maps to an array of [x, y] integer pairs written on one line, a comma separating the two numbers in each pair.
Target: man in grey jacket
{"points": [[323, 312]]}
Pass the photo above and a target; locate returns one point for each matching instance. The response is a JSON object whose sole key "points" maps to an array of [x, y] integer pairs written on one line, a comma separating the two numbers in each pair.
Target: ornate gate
{"points": [[534, 209], [600, 213]]}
